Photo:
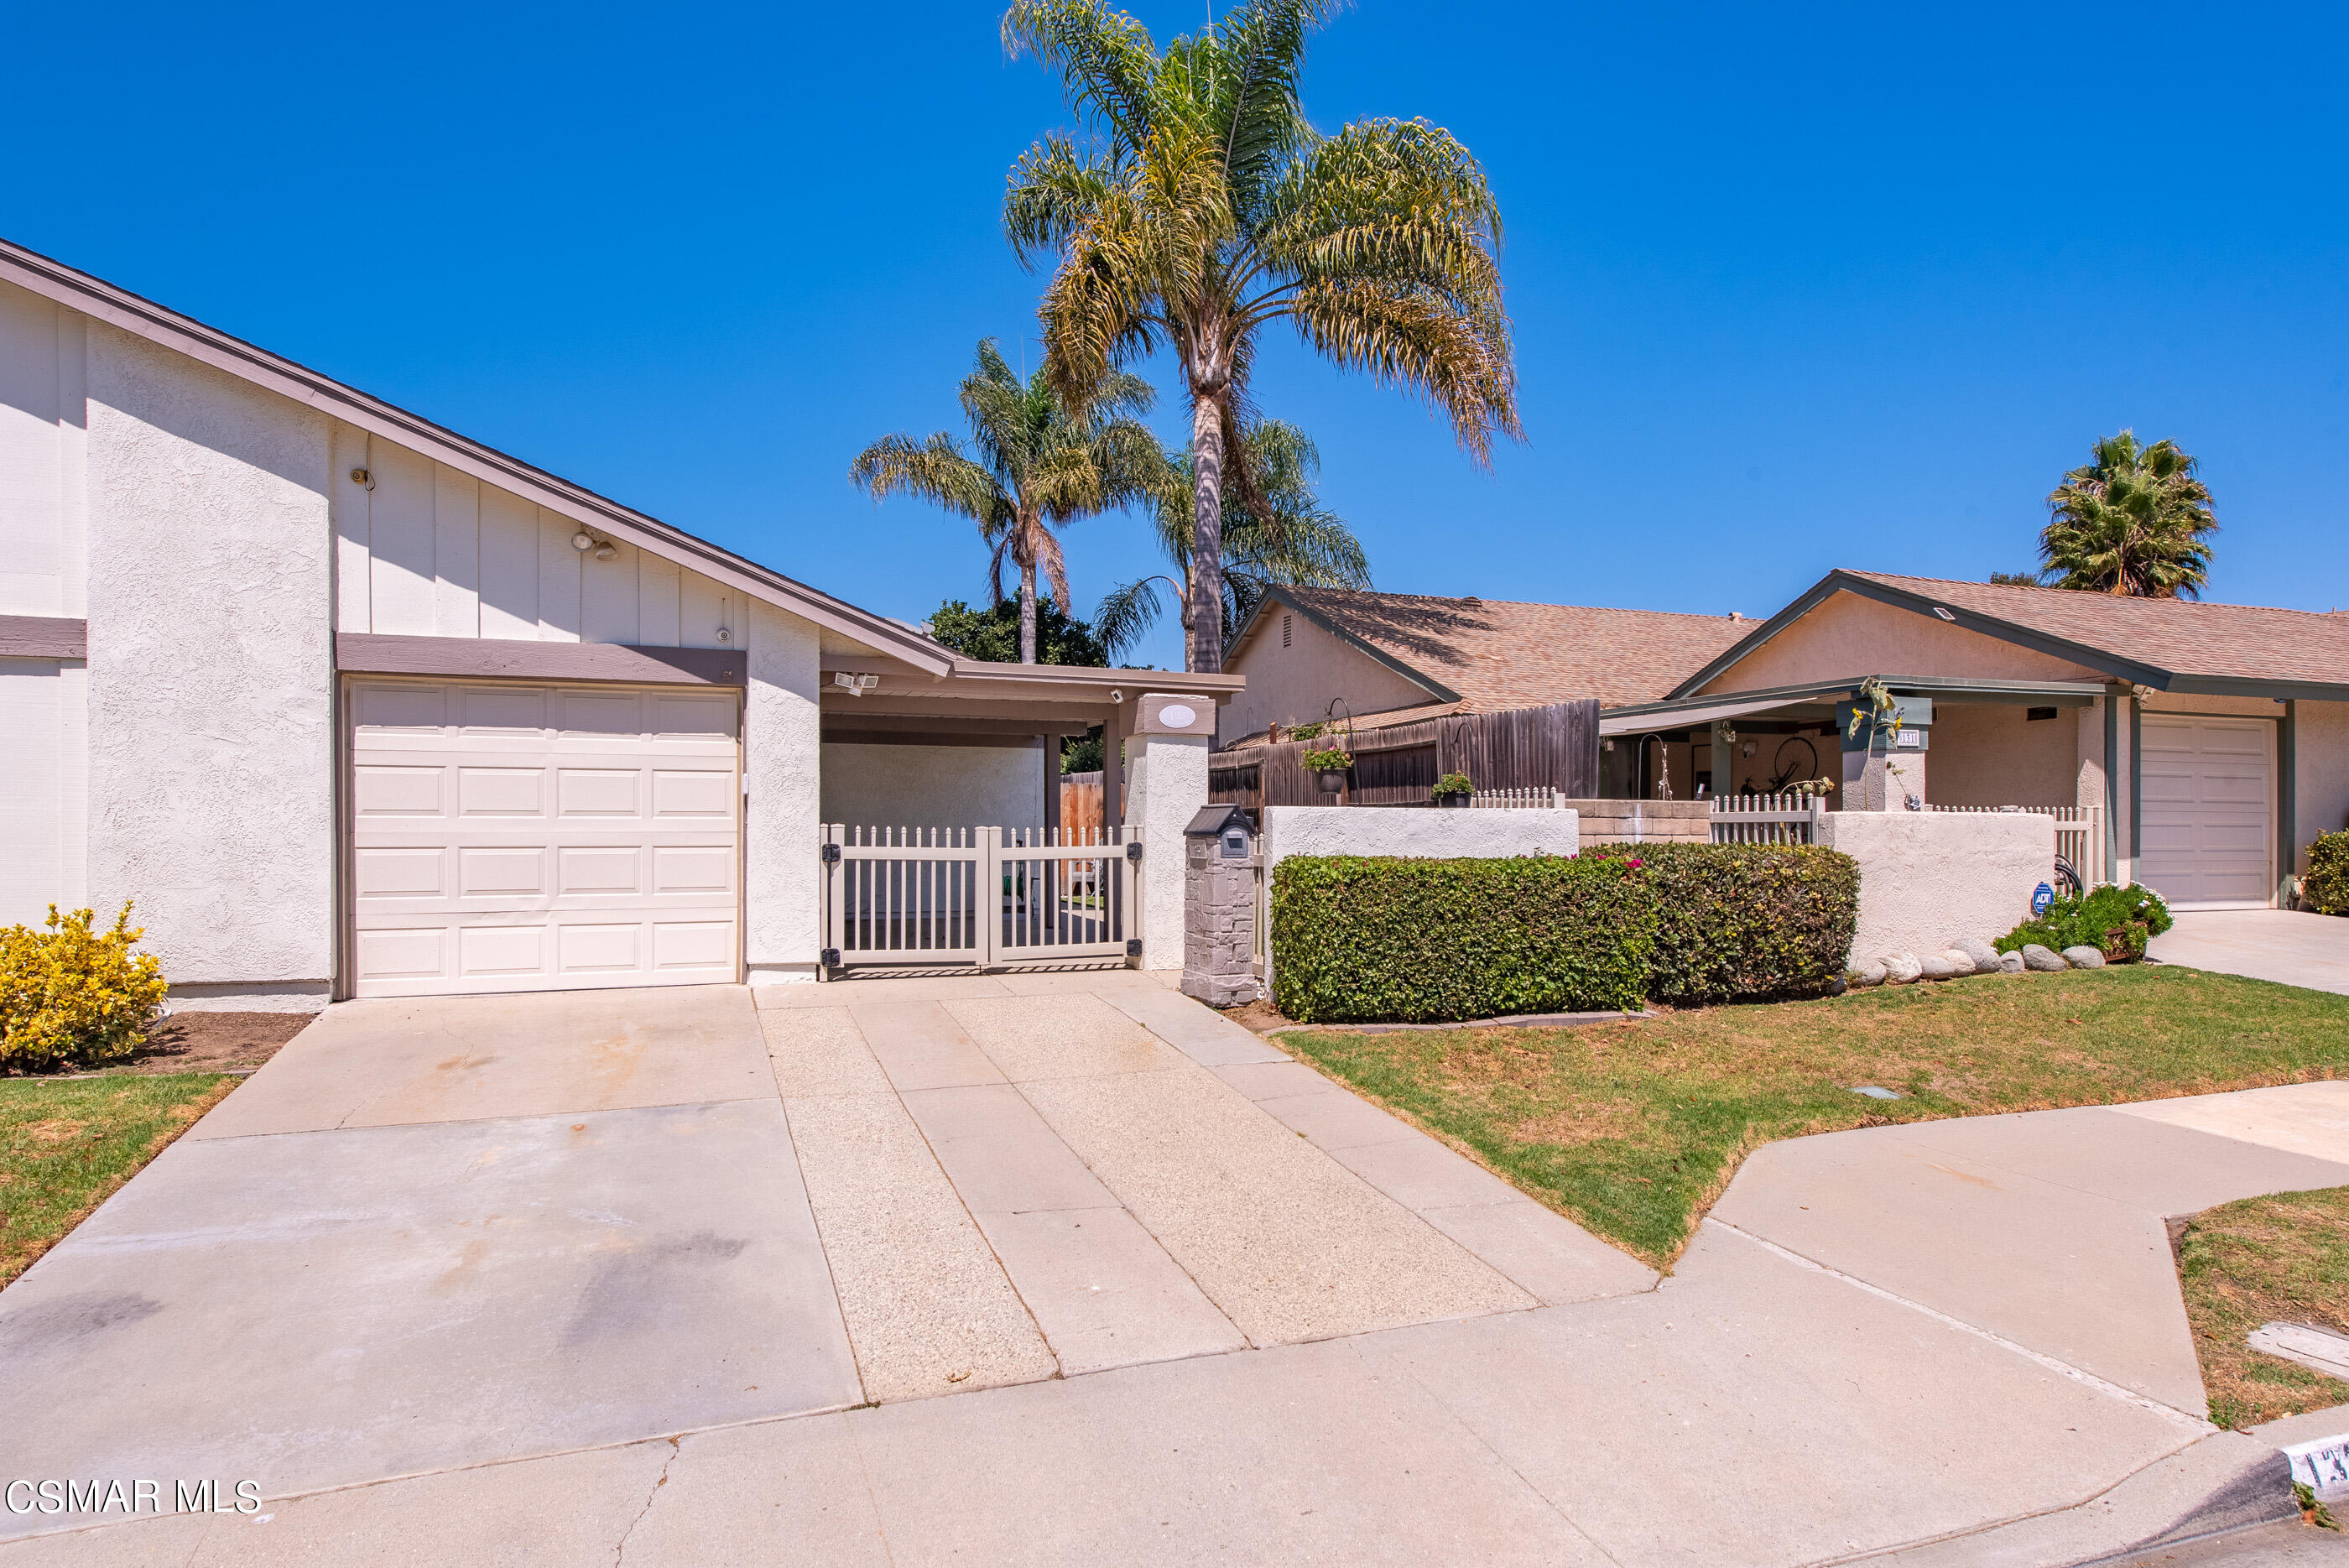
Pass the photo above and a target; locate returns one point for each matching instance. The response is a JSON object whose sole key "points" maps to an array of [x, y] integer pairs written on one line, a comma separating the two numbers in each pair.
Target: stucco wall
{"points": [[1847, 636], [1927, 880], [43, 438], [1992, 754], [1294, 684], [210, 736], [934, 786], [1422, 833], [1167, 784], [782, 791], [2323, 776]]}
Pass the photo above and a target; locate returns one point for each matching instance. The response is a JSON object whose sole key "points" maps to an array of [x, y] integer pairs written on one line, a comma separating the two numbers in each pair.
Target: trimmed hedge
{"points": [[1361, 939], [2114, 920], [2326, 888], [1357, 939], [1746, 921]]}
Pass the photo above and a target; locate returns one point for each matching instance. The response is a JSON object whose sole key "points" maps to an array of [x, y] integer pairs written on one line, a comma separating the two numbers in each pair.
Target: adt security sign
{"points": [[2041, 896]]}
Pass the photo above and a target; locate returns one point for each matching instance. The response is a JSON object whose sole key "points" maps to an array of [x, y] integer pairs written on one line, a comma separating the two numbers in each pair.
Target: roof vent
{"points": [[1735, 616], [1943, 612]]}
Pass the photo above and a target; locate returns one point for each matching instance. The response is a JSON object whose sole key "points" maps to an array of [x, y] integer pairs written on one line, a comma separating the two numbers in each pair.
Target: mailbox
{"points": [[1221, 867]]}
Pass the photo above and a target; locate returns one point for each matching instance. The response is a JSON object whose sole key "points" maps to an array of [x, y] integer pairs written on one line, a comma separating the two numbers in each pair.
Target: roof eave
{"points": [[142, 317], [1418, 678]]}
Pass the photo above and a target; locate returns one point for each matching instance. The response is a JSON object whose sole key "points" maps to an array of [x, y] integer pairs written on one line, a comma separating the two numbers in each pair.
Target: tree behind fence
{"points": [[1556, 747]]}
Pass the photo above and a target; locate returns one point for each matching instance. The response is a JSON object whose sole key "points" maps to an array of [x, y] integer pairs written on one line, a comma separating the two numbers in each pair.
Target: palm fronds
{"points": [[2135, 520]]}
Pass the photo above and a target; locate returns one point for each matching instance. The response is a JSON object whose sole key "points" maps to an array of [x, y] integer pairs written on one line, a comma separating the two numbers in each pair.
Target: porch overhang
{"points": [[1815, 702]]}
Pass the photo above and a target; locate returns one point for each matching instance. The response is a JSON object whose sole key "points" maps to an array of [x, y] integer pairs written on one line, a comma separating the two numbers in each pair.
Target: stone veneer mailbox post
{"points": [[1221, 862]]}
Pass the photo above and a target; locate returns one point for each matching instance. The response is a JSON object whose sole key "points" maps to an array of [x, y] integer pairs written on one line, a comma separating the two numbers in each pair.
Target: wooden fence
{"points": [[1553, 748], [1080, 805]]}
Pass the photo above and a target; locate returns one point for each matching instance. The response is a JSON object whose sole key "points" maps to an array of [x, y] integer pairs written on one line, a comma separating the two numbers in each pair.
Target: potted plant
{"points": [[1454, 790], [1328, 766]]}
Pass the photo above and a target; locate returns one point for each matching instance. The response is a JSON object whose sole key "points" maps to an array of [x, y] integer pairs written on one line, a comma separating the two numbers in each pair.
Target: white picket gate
{"points": [[984, 897], [1789, 818]]}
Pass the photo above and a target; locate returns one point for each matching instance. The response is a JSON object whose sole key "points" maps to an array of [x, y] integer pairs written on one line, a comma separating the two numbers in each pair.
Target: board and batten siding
{"points": [[430, 552]]}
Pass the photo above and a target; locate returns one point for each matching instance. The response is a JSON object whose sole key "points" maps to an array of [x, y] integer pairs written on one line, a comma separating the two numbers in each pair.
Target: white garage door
{"points": [[2208, 837], [524, 837]]}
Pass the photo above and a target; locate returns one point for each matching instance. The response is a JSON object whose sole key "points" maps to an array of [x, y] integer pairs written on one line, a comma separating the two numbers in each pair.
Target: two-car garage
{"points": [[525, 836]]}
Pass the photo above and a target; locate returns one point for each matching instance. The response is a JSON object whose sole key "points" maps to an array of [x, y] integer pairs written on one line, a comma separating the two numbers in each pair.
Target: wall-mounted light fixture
{"points": [[606, 551], [362, 479], [583, 541], [855, 685]]}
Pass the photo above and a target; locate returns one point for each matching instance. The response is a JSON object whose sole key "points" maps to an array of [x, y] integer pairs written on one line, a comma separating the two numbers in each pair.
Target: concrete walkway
{"points": [[1950, 1344], [2283, 945]]}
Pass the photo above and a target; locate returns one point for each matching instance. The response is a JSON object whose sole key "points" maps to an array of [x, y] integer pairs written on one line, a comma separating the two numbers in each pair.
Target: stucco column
{"points": [[1167, 784], [783, 913]]}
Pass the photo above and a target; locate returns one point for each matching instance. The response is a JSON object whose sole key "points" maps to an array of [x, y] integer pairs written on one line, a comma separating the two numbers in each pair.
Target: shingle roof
{"points": [[2180, 636], [1498, 654]]}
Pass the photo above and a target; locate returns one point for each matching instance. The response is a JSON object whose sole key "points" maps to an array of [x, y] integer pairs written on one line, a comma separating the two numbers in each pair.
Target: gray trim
{"points": [[43, 636], [923, 738], [2137, 787], [2287, 798], [119, 307], [2112, 786], [480, 658], [2254, 686], [1942, 688]]}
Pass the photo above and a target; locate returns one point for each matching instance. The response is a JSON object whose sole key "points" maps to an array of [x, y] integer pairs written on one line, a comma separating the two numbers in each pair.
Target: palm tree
{"points": [[2134, 521], [1038, 468], [1204, 206], [1294, 539]]}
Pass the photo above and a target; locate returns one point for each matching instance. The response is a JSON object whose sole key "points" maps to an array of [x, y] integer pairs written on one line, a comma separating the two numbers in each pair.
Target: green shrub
{"points": [[71, 996], [2114, 920], [2326, 888], [1358, 939], [1746, 920]]}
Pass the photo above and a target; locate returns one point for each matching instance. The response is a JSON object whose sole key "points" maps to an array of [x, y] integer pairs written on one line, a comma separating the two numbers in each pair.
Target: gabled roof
{"points": [[119, 307], [2170, 645], [1484, 655]]}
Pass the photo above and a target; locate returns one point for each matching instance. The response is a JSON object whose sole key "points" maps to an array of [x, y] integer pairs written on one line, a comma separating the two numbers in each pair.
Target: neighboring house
{"points": [[1396, 659], [352, 705], [2213, 740]]}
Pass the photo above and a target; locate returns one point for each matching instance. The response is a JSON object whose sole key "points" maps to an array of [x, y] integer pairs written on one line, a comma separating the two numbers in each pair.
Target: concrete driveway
{"points": [[2283, 945], [1226, 1312], [439, 1233]]}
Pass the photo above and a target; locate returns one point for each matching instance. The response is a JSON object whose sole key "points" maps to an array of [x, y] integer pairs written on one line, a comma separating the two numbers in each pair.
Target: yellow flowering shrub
{"points": [[72, 996]]}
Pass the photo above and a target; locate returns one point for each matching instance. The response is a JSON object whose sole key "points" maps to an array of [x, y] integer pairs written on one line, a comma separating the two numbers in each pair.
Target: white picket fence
{"points": [[1789, 818], [2079, 834], [1540, 798]]}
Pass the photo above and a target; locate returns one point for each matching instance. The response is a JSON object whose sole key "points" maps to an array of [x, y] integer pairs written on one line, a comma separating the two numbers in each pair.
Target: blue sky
{"points": [[1794, 287]]}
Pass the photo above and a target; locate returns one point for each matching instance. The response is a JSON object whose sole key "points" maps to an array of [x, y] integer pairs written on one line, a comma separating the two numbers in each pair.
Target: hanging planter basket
{"points": [[1331, 780], [1329, 765]]}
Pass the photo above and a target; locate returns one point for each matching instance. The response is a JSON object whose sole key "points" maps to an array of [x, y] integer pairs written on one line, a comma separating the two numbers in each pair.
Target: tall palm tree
{"points": [[2134, 521], [1294, 539], [1038, 467], [1203, 206]]}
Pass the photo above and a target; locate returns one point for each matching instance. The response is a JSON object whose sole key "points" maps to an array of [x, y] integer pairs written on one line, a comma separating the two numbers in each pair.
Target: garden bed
{"points": [[1632, 1129]]}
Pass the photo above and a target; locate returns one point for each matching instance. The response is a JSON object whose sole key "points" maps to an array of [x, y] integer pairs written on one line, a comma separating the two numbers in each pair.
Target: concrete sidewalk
{"points": [[1953, 1342]]}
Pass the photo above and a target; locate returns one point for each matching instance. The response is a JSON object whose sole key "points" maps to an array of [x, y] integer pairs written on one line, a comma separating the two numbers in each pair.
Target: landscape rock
{"points": [[1960, 962], [1902, 969], [1934, 966], [1865, 975], [2084, 958], [2010, 963], [1985, 956], [2040, 959]]}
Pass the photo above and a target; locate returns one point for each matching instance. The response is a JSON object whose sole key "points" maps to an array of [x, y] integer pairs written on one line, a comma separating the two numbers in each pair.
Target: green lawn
{"points": [[1633, 1128], [2278, 1258], [66, 1144]]}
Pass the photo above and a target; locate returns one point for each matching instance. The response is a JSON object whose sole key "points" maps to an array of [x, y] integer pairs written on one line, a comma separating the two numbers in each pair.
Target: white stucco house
{"points": [[351, 705]]}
